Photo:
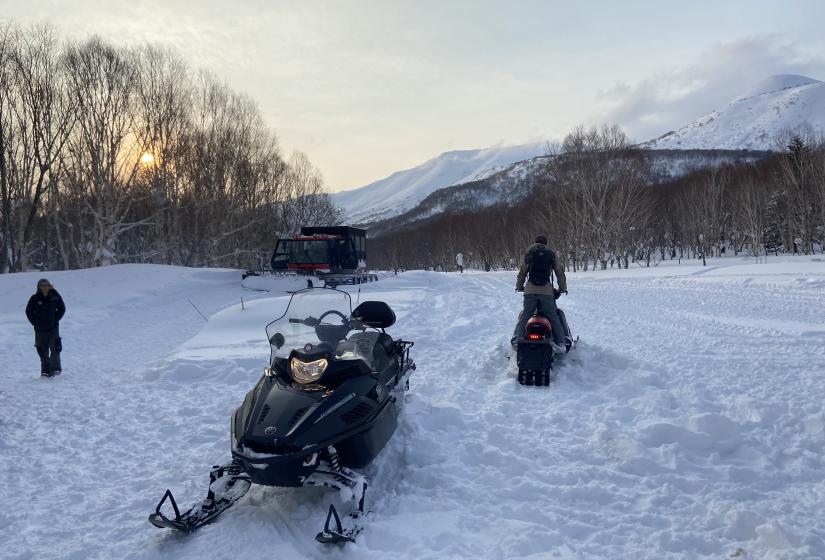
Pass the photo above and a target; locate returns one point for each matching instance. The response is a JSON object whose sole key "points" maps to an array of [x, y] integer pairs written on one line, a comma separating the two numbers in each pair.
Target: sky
{"points": [[366, 88]]}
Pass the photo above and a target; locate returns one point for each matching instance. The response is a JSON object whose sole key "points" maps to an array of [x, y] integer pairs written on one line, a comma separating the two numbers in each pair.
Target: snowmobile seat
{"points": [[382, 344], [376, 314], [385, 343], [376, 347]]}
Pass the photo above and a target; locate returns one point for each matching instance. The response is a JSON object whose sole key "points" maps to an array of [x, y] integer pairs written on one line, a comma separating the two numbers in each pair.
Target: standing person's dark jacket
{"points": [[44, 312]]}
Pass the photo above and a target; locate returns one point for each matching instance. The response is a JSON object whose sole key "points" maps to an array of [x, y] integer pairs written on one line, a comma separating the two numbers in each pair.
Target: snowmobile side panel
{"points": [[563, 318], [359, 450]]}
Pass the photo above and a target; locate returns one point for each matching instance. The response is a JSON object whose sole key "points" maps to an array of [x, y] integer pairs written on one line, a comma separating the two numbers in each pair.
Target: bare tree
{"points": [[164, 98], [601, 183], [105, 148], [753, 210], [50, 113], [306, 203], [7, 44]]}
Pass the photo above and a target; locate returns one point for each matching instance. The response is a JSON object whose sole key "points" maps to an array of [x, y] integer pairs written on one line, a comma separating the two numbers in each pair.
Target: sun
{"points": [[147, 158]]}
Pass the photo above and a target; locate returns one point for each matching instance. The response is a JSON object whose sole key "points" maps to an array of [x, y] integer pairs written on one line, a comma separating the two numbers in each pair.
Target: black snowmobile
{"points": [[536, 351], [326, 405]]}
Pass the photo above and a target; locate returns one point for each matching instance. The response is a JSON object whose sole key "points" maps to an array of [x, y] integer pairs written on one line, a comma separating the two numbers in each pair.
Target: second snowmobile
{"points": [[325, 407], [536, 351]]}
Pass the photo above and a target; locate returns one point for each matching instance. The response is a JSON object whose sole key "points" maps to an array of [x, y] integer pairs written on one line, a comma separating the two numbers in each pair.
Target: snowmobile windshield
{"points": [[320, 318]]}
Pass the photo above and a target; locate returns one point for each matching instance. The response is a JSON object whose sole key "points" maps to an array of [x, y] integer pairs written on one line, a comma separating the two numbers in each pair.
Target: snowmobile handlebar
{"points": [[309, 321], [353, 324]]}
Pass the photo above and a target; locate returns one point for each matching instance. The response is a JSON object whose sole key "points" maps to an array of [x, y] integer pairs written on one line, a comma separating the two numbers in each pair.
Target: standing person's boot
{"points": [[41, 344], [55, 346], [45, 369]]}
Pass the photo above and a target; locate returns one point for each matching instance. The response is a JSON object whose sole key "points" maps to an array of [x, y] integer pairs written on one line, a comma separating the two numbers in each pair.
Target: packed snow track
{"points": [[688, 423]]}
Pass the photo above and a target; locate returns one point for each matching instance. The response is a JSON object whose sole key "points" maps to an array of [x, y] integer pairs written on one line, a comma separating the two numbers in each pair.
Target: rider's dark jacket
{"points": [[529, 287]]}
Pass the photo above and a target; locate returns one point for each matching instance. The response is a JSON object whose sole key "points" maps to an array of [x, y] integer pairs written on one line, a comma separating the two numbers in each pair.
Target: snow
{"points": [[755, 119], [403, 190], [687, 424], [775, 83]]}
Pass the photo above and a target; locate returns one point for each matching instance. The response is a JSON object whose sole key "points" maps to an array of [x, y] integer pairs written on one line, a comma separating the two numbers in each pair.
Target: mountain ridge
{"points": [[754, 121], [403, 190]]}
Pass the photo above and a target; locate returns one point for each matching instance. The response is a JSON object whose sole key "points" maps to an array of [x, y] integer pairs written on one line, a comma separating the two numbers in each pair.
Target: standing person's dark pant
{"points": [[48, 346], [548, 305]]}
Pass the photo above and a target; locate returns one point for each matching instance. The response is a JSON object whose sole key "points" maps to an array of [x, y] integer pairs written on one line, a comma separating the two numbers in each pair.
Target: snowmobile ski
{"points": [[334, 475], [227, 485], [339, 534]]}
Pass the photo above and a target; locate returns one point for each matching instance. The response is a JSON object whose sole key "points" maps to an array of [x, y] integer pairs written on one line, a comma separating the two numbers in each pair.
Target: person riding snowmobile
{"points": [[537, 269]]}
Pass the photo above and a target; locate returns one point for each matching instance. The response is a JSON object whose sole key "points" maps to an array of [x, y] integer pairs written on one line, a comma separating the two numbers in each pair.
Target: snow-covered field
{"points": [[689, 423]]}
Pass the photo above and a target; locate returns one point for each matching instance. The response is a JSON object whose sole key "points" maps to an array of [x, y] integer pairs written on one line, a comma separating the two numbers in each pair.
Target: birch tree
{"points": [[105, 147], [47, 114]]}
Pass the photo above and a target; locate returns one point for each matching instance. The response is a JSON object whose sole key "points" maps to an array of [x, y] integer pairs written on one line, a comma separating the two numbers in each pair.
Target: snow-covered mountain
{"points": [[745, 130], [515, 182], [403, 190], [754, 119]]}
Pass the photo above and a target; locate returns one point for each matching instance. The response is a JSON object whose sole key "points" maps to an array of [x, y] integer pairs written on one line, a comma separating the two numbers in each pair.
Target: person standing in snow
{"points": [[44, 311], [535, 279]]}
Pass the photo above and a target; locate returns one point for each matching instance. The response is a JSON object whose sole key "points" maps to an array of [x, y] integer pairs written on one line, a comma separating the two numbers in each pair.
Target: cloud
{"points": [[673, 98]]}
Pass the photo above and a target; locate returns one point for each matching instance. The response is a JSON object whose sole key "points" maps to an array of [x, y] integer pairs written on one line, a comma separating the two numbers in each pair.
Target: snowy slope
{"points": [[754, 119], [508, 186], [403, 190], [691, 428], [516, 181]]}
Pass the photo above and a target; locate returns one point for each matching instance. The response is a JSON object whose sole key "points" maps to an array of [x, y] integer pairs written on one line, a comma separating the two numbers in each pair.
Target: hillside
{"points": [[403, 190], [511, 185]]}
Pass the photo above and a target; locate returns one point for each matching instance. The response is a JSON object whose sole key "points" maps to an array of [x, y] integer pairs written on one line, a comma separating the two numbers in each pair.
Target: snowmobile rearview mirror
{"points": [[277, 340]]}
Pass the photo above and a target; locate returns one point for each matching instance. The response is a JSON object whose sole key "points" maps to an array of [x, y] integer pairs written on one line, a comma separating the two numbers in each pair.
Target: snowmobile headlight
{"points": [[307, 372]]}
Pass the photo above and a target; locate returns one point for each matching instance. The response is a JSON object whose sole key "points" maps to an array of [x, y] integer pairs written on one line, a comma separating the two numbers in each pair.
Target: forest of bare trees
{"points": [[601, 206], [112, 154]]}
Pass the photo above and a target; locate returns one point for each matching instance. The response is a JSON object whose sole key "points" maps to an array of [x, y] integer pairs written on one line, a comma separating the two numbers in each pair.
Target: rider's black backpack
{"points": [[541, 263]]}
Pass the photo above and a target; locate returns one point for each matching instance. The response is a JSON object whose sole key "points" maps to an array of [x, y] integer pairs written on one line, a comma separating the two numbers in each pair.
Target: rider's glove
{"points": [[556, 293]]}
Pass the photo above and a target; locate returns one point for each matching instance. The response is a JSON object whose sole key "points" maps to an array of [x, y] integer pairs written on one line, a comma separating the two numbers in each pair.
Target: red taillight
{"points": [[533, 336]]}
